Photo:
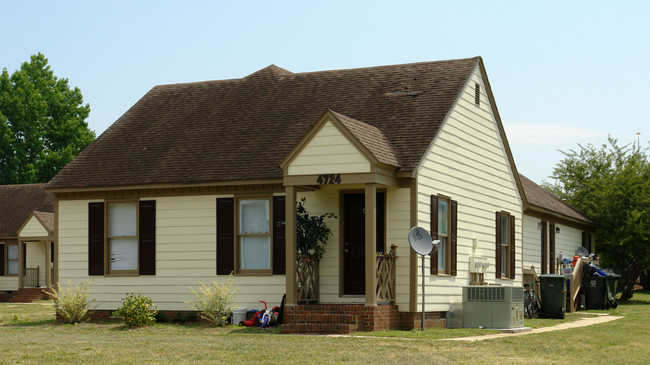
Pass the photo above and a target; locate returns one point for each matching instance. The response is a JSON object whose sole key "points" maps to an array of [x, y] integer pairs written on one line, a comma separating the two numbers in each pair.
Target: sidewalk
{"points": [[600, 318]]}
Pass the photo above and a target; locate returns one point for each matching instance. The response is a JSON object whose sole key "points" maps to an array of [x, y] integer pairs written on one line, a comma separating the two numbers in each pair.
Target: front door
{"points": [[354, 238]]}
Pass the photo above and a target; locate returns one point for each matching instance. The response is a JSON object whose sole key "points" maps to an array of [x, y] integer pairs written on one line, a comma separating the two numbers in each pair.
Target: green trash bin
{"points": [[552, 295], [595, 291]]}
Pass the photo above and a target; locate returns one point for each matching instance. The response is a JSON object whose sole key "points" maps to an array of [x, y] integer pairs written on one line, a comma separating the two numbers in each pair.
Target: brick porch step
{"points": [[28, 295]]}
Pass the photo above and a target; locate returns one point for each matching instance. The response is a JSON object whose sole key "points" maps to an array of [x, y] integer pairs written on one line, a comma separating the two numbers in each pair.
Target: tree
{"points": [[612, 186], [42, 123]]}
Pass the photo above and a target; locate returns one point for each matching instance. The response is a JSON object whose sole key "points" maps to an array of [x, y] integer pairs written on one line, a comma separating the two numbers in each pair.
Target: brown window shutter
{"points": [[453, 247], [544, 248], [498, 245], [96, 238], [147, 240], [279, 235], [2, 259], [511, 245], [551, 248], [225, 236], [434, 233]]}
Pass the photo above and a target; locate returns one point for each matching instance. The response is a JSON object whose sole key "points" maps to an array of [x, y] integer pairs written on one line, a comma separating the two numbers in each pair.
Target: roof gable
{"points": [[543, 201], [339, 144], [38, 224], [238, 130]]}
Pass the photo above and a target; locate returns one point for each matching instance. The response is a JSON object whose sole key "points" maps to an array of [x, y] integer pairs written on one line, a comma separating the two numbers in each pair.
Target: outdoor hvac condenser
{"points": [[493, 307]]}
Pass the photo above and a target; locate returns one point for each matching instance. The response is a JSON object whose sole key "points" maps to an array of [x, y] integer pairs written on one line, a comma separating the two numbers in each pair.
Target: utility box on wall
{"points": [[493, 307]]}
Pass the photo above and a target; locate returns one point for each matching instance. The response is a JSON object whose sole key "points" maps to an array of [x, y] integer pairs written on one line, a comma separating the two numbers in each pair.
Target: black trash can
{"points": [[552, 295], [595, 291]]}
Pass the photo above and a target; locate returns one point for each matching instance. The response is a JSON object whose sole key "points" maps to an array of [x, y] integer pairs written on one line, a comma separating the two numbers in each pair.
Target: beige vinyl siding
{"points": [[468, 162], [533, 243], [8, 283], [185, 256], [567, 241], [398, 224], [33, 228], [328, 152], [36, 258]]}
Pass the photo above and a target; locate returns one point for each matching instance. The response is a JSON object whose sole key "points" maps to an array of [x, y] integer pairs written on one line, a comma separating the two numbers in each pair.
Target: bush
{"points": [[72, 305], [137, 310], [214, 303]]}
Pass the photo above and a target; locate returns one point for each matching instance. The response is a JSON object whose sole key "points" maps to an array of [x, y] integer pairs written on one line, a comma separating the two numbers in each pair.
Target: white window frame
{"points": [[241, 236]]}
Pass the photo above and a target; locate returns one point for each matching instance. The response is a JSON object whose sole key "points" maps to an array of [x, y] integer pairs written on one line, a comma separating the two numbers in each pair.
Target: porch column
{"points": [[290, 248], [21, 267], [371, 244], [48, 266]]}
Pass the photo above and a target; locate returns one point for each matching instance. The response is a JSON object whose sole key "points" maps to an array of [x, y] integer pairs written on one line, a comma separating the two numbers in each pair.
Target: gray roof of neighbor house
{"points": [[241, 129], [17, 202], [538, 197]]}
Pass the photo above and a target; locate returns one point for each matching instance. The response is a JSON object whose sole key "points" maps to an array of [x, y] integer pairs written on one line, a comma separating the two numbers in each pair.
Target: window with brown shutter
{"points": [[505, 245], [551, 248], [544, 247], [279, 235], [444, 227], [122, 238]]}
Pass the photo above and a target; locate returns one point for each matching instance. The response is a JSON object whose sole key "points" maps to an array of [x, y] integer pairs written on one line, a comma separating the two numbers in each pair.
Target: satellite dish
{"points": [[582, 252], [420, 240]]}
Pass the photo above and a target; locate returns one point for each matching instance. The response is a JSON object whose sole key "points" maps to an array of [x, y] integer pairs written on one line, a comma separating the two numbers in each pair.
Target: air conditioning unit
{"points": [[499, 307]]}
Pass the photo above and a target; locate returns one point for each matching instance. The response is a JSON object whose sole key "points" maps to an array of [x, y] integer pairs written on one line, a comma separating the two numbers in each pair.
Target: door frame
{"points": [[380, 218]]}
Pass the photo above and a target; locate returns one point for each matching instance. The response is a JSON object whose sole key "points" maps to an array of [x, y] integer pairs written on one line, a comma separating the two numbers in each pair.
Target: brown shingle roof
{"points": [[241, 129], [537, 196], [47, 219], [17, 202]]}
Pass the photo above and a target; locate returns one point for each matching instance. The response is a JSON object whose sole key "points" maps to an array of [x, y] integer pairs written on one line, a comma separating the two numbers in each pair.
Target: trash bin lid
{"points": [[551, 276]]}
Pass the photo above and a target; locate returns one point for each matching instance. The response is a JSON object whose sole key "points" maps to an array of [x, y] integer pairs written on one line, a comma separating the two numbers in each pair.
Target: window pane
{"points": [[255, 253], [442, 254], [12, 267], [504, 260], [123, 219], [253, 216], [442, 216], [12, 252], [504, 230], [124, 254]]}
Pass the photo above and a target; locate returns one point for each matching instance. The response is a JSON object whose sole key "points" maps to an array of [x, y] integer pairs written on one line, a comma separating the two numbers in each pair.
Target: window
{"points": [[505, 245], [12, 259], [123, 237], [128, 244], [444, 213], [254, 235]]}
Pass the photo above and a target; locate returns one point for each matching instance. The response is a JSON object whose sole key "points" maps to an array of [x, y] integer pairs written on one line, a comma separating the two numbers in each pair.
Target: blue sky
{"points": [[562, 72]]}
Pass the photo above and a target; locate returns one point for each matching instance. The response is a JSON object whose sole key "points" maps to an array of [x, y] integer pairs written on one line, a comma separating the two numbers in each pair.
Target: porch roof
{"points": [[17, 202]]}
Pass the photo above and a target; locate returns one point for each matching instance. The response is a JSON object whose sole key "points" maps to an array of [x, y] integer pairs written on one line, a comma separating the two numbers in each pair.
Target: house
{"points": [[26, 241], [193, 182], [552, 228], [552, 231]]}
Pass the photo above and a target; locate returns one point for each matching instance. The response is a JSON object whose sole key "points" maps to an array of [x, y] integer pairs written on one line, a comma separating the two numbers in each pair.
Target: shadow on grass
{"points": [[35, 323], [255, 330]]}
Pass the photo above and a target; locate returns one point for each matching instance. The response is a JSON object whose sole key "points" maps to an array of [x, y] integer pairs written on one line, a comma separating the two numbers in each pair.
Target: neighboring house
{"points": [[199, 180], [26, 238], [552, 228]]}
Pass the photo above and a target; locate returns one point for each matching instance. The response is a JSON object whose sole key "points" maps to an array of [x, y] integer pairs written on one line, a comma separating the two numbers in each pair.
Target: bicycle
{"points": [[531, 301]]}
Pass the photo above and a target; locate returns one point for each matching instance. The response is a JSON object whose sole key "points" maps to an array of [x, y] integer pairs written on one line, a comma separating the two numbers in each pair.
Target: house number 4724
{"points": [[329, 179]]}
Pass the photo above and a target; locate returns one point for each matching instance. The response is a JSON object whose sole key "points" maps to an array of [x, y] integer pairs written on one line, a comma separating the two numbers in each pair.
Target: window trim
{"points": [[451, 244], [510, 235], [7, 260], [107, 238], [447, 237], [237, 236]]}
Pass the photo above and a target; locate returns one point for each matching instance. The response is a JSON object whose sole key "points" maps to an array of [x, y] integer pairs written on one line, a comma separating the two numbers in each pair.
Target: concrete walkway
{"points": [[599, 318]]}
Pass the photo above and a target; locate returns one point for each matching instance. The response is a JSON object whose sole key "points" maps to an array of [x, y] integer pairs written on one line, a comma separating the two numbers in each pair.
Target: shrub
{"points": [[72, 305], [137, 310], [214, 302]]}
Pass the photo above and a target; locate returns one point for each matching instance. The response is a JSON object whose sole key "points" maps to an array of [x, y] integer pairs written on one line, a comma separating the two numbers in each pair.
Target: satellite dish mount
{"points": [[421, 242]]}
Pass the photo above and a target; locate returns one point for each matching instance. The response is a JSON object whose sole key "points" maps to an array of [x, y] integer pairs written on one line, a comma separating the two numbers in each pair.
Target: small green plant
{"points": [[72, 305], [137, 310], [214, 302]]}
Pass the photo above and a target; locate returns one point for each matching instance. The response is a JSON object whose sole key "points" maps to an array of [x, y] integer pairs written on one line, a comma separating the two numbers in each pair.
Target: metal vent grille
{"points": [[477, 93], [485, 294]]}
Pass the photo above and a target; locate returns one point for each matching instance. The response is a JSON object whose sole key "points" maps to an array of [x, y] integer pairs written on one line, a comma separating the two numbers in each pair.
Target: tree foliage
{"points": [[312, 232], [42, 123], [611, 185]]}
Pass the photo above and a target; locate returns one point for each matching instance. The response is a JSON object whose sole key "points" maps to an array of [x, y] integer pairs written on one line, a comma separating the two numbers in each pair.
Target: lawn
{"points": [[28, 334]]}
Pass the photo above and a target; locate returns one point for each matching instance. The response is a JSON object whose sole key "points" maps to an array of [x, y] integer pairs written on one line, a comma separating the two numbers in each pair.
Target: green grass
{"points": [[29, 334]]}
